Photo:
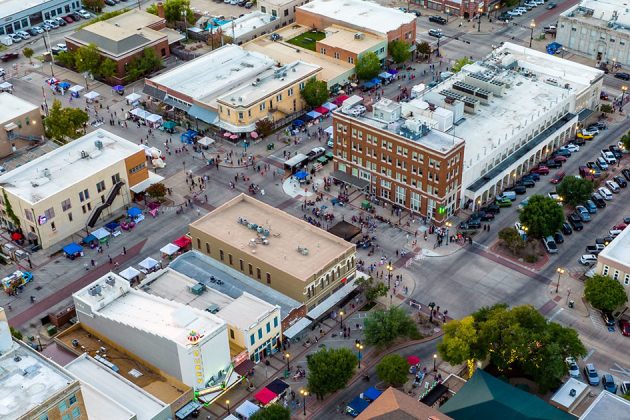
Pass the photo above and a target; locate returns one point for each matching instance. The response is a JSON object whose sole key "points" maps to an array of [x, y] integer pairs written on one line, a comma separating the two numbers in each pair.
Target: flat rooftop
{"points": [[116, 40], [26, 380], [12, 107], [171, 320], [135, 18], [346, 39], [361, 14], [206, 78], [247, 23], [64, 167], [619, 249], [286, 234], [8, 8], [601, 12], [286, 53], [129, 397], [271, 81], [101, 407], [132, 369], [200, 267], [607, 406], [246, 310]]}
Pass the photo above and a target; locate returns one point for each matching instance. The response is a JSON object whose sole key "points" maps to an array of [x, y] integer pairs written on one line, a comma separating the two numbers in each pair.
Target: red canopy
{"points": [[16, 236], [339, 99], [322, 110], [265, 396], [413, 360], [182, 242]]}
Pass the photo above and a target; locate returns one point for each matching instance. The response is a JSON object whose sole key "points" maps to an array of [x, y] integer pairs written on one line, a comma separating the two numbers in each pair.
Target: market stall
{"points": [[169, 249], [130, 274], [133, 99], [329, 106], [73, 250], [247, 409], [101, 234], [266, 396], [6, 87], [74, 90], [154, 120], [183, 242], [205, 142], [91, 96], [149, 265]]}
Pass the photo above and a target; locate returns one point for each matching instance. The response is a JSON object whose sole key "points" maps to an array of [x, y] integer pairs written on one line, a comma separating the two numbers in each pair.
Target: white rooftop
{"points": [[601, 12], [12, 7], [271, 81], [361, 14], [12, 107], [619, 249], [120, 303], [246, 311], [563, 396], [206, 78], [128, 397], [607, 406], [26, 380], [65, 166], [247, 23]]}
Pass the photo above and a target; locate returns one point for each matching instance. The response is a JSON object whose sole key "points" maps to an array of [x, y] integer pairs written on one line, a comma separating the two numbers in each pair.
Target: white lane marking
{"points": [[555, 314], [588, 355]]}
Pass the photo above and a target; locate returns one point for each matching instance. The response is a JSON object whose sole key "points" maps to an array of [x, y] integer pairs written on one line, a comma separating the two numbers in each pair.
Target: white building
{"points": [[284, 10], [518, 106], [20, 15], [186, 343], [614, 260], [250, 26], [597, 29]]}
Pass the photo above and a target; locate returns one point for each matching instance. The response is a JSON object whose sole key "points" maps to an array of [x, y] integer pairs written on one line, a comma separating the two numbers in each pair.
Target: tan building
{"points": [[393, 404], [614, 260], [22, 123], [282, 10], [72, 187], [348, 45], [276, 249]]}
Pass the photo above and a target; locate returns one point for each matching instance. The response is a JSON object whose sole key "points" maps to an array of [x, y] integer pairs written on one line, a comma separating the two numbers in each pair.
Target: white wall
{"points": [[215, 353]]}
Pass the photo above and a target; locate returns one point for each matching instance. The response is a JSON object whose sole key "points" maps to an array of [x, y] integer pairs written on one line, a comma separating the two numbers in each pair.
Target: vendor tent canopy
{"points": [[329, 106], [72, 248], [301, 175], [140, 113], [358, 405], [298, 123], [392, 71], [265, 396], [133, 97], [100, 233], [134, 211], [76, 89], [340, 99], [372, 394], [277, 386], [148, 263], [129, 273], [313, 114], [247, 409], [169, 249], [5, 85], [111, 226], [329, 130], [154, 118], [118, 88], [205, 141], [64, 85], [182, 241], [368, 85], [376, 81], [385, 75], [89, 238], [91, 95], [169, 125], [322, 110]]}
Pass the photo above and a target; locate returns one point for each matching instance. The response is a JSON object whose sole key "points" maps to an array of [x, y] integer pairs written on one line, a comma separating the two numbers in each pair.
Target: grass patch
{"points": [[307, 40]]}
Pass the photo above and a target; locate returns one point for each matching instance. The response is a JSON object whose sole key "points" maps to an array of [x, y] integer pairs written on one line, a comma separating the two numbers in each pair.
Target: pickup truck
{"points": [[315, 153], [9, 56]]}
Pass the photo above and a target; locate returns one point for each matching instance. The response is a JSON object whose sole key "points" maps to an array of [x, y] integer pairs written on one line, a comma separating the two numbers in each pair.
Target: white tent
{"points": [[154, 118], [205, 141], [6, 87], [132, 97], [91, 95], [140, 113], [247, 409], [77, 89], [329, 130], [100, 233], [129, 273], [148, 263], [169, 249]]}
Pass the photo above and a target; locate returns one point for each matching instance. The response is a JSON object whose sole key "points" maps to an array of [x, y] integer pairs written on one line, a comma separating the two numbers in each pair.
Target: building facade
{"points": [[465, 9], [614, 260], [283, 10], [17, 15], [71, 188], [348, 46], [22, 123]]}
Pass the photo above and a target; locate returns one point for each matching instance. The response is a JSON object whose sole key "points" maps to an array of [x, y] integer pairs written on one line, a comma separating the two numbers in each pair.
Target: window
{"points": [[605, 271], [336, 55], [258, 273], [268, 327], [29, 215], [302, 84], [252, 339], [63, 406], [100, 187], [351, 60], [251, 269], [626, 279], [263, 9], [262, 106], [240, 115], [322, 50], [286, 12], [274, 13], [231, 333], [76, 412], [50, 213], [279, 97], [290, 92], [221, 254], [198, 243], [240, 264], [115, 179], [230, 258], [275, 321], [52, 226], [137, 168], [260, 333], [268, 278], [207, 247], [66, 205], [70, 216], [84, 195], [616, 275]]}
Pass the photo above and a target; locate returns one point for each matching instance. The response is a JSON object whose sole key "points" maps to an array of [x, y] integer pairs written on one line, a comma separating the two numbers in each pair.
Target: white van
{"points": [[588, 259], [605, 193], [6, 40]]}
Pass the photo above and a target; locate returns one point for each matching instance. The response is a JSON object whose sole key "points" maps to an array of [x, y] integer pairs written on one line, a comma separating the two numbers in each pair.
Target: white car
{"points": [[605, 193], [514, 13], [51, 23], [613, 186], [15, 37], [590, 131], [84, 14], [22, 34], [588, 259], [572, 147], [614, 232], [574, 369], [538, 2]]}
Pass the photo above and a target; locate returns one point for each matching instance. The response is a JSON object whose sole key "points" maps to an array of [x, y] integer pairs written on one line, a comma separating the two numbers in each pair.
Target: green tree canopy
{"points": [[604, 293], [424, 48], [94, 5], [87, 59], [382, 328], [368, 66], [108, 68], [62, 123], [606, 108], [399, 50], [28, 53], [460, 63], [542, 216], [264, 127], [272, 412], [625, 140], [173, 10], [66, 59], [575, 191], [460, 342], [330, 370], [512, 239], [371, 288], [157, 190], [9, 209], [393, 370], [315, 92]]}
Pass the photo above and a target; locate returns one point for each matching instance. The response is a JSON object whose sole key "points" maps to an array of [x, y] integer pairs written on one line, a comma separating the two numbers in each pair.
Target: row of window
{"points": [[252, 337], [241, 263], [616, 275], [332, 276], [63, 406]]}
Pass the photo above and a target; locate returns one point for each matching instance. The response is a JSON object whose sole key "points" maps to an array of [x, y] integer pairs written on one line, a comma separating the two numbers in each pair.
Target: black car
{"points": [[552, 164], [604, 241], [483, 216], [519, 189], [576, 222], [491, 208], [608, 319], [470, 224], [599, 202], [600, 125], [75, 16], [626, 174], [566, 229], [562, 152], [533, 176], [526, 182], [622, 76], [558, 237], [619, 180], [440, 20], [593, 249]]}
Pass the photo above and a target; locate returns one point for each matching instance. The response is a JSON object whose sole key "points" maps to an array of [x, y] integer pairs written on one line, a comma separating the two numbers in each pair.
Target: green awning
{"points": [[169, 125], [322, 159]]}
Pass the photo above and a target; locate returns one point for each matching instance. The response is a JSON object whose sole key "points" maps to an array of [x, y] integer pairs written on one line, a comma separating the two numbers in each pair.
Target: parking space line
{"points": [[555, 314], [588, 355]]}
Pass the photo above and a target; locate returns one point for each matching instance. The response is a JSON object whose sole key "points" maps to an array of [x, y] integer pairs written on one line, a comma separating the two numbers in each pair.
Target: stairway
{"points": [[96, 213]]}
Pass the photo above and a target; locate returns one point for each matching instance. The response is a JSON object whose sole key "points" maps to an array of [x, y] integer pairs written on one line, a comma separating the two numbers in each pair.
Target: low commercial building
{"points": [[22, 124], [283, 10], [454, 8], [250, 26], [186, 343], [349, 45], [360, 15], [607, 405], [395, 404], [614, 260], [276, 249], [17, 15], [597, 29], [72, 187]]}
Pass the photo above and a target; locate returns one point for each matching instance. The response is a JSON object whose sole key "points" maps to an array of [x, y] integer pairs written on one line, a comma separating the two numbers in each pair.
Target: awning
{"points": [[169, 125], [175, 104], [265, 396], [169, 249], [91, 95], [322, 110], [247, 409], [584, 114], [182, 241], [205, 141], [10, 126], [76, 89], [142, 186], [277, 386], [148, 263], [298, 123], [331, 301], [203, 114], [129, 273], [340, 99], [392, 71], [101, 233], [64, 85], [140, 113], [118, 88], [154, 92], [376, 81], [133, 97], [297, 328], [367, 85], [112, 226], [313, 114], [329, 106], [72, 248], [244, 367], [154, 118], [187, 410], [133, 212], [349, 179], [235, 128], [434, 395], [372, 393]]}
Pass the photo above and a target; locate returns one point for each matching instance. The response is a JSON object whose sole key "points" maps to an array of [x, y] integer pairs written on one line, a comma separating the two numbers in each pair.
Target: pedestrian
{"points": [[30, 264], [124, 251], [86, 267], [110, 258], [92, 262]]}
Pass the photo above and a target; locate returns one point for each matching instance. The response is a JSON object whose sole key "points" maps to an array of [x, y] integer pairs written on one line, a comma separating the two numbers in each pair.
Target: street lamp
{"points": [[624, 89], [390, 268], [288, 356], [496, 11], [359, 347], [227, 402], [532, 25], [185, 18], [341, 318], [434, 363], [448, 229], [560, 272], [304, 394]]}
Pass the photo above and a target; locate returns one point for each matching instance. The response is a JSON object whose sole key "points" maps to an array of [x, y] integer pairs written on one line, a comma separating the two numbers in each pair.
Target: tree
{"points": [[606, 108], [315, 92], [9, 209], [173, 11], [574, 190], [368, 66], [94, 5], [512, 239], [625, 140], [399, 50], [330, 370], [16, 333], [424, 48], [460, 63], [108, 68], [605, 293], [264, 127], [393, 370], [87, 59], [272, 412], [542, 216], [64, 122], [460, 343], [28, 53], [371, 288], [156, 190], [66, 59], [382, 328]]}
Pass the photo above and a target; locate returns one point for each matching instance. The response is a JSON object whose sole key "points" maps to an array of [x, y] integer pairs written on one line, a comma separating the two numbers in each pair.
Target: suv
{"points": [[438, 19], [594, 249], [622, 76], [608, 156], [598, 200], [436, 33], [550, 245], [540, 170], [609, 383], [576, 222], [620, 181], [584, 213], [591, 374]]}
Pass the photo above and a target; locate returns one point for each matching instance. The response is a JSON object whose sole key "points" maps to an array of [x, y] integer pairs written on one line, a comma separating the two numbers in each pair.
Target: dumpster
{"points": [[366, 205]]}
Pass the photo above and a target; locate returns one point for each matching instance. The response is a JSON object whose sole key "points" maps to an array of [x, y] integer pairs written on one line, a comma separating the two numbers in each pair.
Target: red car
{"points": [[624, 327], [560, 158], [540, 170], [558, 177], [68, 19], [620, 226]]}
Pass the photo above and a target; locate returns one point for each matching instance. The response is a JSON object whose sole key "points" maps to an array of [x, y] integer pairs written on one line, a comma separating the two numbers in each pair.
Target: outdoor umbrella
{"points": [[64, 85], [118, 88], [413, 360], [234, 136], [16, 236], [227, 134], [254, 135], [134, 211], [301, 174]]}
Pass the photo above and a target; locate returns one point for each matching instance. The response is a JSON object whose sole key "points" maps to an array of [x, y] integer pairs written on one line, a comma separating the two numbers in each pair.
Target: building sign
{"points": [[42, 220], [244, 355]]}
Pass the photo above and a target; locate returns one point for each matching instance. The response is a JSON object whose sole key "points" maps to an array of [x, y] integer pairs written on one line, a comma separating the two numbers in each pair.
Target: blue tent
{"points": [[72, 248], [357, 406], [368, 85], [371, 394], [118, 88], [301, 175], [298, 123], [376, 81], [64, 85], [88, 239], [553, 48], [134, 211], [188, 137], [112, 226]]}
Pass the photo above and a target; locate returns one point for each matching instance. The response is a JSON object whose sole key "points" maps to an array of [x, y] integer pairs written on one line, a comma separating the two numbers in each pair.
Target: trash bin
{"points": [[571, 304]]}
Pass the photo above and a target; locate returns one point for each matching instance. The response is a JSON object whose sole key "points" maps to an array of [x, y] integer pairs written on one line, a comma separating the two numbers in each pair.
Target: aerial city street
{"points": [[314, 209]]}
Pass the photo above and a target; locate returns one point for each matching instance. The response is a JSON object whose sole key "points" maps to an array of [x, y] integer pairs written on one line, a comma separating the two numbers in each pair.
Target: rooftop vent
{"points": [[110, 280], [302, 250], [98, 144]]}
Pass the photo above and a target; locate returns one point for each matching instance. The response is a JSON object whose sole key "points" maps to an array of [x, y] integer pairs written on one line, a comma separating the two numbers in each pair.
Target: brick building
{"points": [[466, 9], [348, 45], [397, 154], [22, 123]]}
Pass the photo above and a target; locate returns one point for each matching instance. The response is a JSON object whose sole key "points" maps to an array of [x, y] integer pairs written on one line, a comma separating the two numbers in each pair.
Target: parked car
{"points": [[602, 164], [559, 158], [605, 193], [249, 5], [558, 177], [558, 238], [590, 206], [533, 177], [552, 164], [583, 213], [598, 200], [526, 182], [15, 38], [589, 173], [60, 21], [438, 19], [519, 189], [436, 33], [626, 174], [9, 56], [551, 5], [622, 76], [620, 226], [84, 14], [613, 186], [576, 222], [566, 229], [23, 34], [608, 156], [590, 131], [51, 23], [68, 19], [594, 249], [624, 327], [574, 369], [588, 260], [550, 245], [540, 170], [573, 148], [591, 374], [609, 320], [609, 383], [583, 136], [604, 241], [614, 232], [491, 208], [504, 202]]}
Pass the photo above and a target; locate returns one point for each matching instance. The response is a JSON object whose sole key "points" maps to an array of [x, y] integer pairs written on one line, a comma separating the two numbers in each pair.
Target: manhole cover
{"points": [[38, 288]]}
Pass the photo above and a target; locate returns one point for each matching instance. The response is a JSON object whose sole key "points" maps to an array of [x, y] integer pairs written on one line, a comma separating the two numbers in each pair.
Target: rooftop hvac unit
{"points": [[198, 289], [242, 221], [110, 280], [47, 172], [98, 144], [359, 35], [302, 250], [84, 154], [265, 241]]}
